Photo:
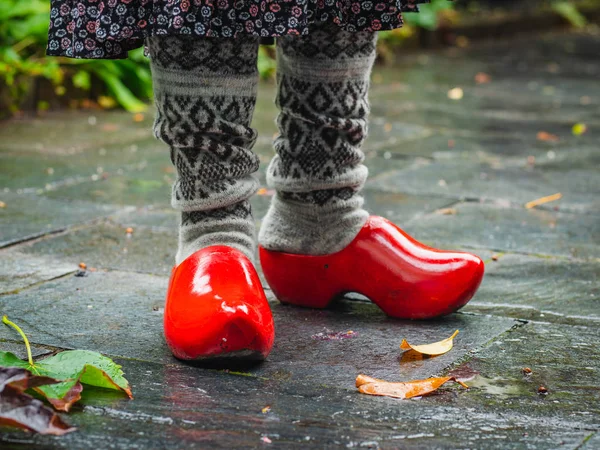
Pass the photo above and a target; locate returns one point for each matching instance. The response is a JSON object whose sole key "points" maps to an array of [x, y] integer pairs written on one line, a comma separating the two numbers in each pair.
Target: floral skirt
{"points": [[107, 29]]}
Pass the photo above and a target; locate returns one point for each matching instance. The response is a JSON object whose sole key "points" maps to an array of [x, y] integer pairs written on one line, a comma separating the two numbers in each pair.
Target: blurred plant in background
{"points": [[29, 79], [23, 36]]}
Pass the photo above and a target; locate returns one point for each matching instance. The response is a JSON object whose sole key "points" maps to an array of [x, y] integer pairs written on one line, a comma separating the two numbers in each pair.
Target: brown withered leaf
{"points": [[403, 390], [23, 411], [547, 137]]}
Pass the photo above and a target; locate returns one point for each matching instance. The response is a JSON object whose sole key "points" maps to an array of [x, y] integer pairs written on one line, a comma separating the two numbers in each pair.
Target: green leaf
{"points": [[82, 80], [121, 93], [428, 14], [8, 359], [570, 12], [72, 367], [96, 369]]}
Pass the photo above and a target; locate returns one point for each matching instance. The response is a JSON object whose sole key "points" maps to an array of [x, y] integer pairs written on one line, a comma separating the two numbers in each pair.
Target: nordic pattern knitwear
{"points": [[323, 81], [205, 93]]}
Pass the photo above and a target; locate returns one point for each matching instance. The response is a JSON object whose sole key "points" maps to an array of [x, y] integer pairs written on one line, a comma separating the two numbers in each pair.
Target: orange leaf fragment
{"points": [[541, 201], [437, 348], [406, 389], [482, 78], [547, 137]]}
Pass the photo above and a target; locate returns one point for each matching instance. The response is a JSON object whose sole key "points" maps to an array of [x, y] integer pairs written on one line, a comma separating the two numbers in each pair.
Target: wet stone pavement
{"points": [[454, 173]]}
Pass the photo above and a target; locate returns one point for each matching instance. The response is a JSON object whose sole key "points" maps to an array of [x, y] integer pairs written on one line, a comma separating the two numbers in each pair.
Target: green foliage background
{"points": [[23, 36]]}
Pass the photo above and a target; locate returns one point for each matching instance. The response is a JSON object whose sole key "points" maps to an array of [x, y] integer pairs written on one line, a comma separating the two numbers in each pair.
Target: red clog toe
{"points": [[405, 278], [216, 308]]}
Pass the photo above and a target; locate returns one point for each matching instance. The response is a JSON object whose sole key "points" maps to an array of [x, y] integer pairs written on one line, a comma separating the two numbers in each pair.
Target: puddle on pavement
{"points": [[497, 386], [489, 385]]}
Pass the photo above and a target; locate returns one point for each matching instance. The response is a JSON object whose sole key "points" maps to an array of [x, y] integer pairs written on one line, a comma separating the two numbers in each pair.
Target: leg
{"points": [[205, 92], [323, 80], [317, 242]]}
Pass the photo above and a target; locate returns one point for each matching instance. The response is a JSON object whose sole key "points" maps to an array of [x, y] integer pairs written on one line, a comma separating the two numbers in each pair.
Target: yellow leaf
{"points": [[408, 389], [541, 201], [455, 93], [579, 128], [437, 348]]}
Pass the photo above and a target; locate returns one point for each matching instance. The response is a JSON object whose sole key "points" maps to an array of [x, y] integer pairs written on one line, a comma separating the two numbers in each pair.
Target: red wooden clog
{"points": [[216, 308], [405, 278]]}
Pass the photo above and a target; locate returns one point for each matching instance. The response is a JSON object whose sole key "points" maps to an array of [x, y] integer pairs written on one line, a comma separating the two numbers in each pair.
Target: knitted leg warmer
{"points": [[323, 79], [205, 92]]}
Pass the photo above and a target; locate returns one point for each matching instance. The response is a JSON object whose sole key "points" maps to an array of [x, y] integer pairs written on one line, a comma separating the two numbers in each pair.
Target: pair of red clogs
{"points": [[216, 306]]}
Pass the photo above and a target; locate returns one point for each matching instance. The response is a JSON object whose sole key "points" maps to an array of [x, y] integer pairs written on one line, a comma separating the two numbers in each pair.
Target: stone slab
{"points": [[563, 358], [492, 227], [11, 344], [543, 289], [495, 179], [61, 132], [108, 246], [28, 216], [44, 170], [19, 270]]}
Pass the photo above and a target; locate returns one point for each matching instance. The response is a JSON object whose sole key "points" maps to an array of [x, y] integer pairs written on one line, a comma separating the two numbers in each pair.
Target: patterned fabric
{"points": [[109, 28], [323, 82], [205, 92]]}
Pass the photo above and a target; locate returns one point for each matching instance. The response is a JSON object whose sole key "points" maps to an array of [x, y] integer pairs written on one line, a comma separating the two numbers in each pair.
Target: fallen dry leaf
{"points": [[482, 78], [110, 127], [579, 128], [541, 201], [21, 410], [455, 93], [437, 348], [2, 205], [462, 41], [407, 389], [265, 191], [447, 211], [547, 137]]}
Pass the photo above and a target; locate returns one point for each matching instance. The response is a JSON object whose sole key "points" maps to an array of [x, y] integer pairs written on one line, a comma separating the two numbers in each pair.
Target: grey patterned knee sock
{"points": [[205, 92], [318, 173]]}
